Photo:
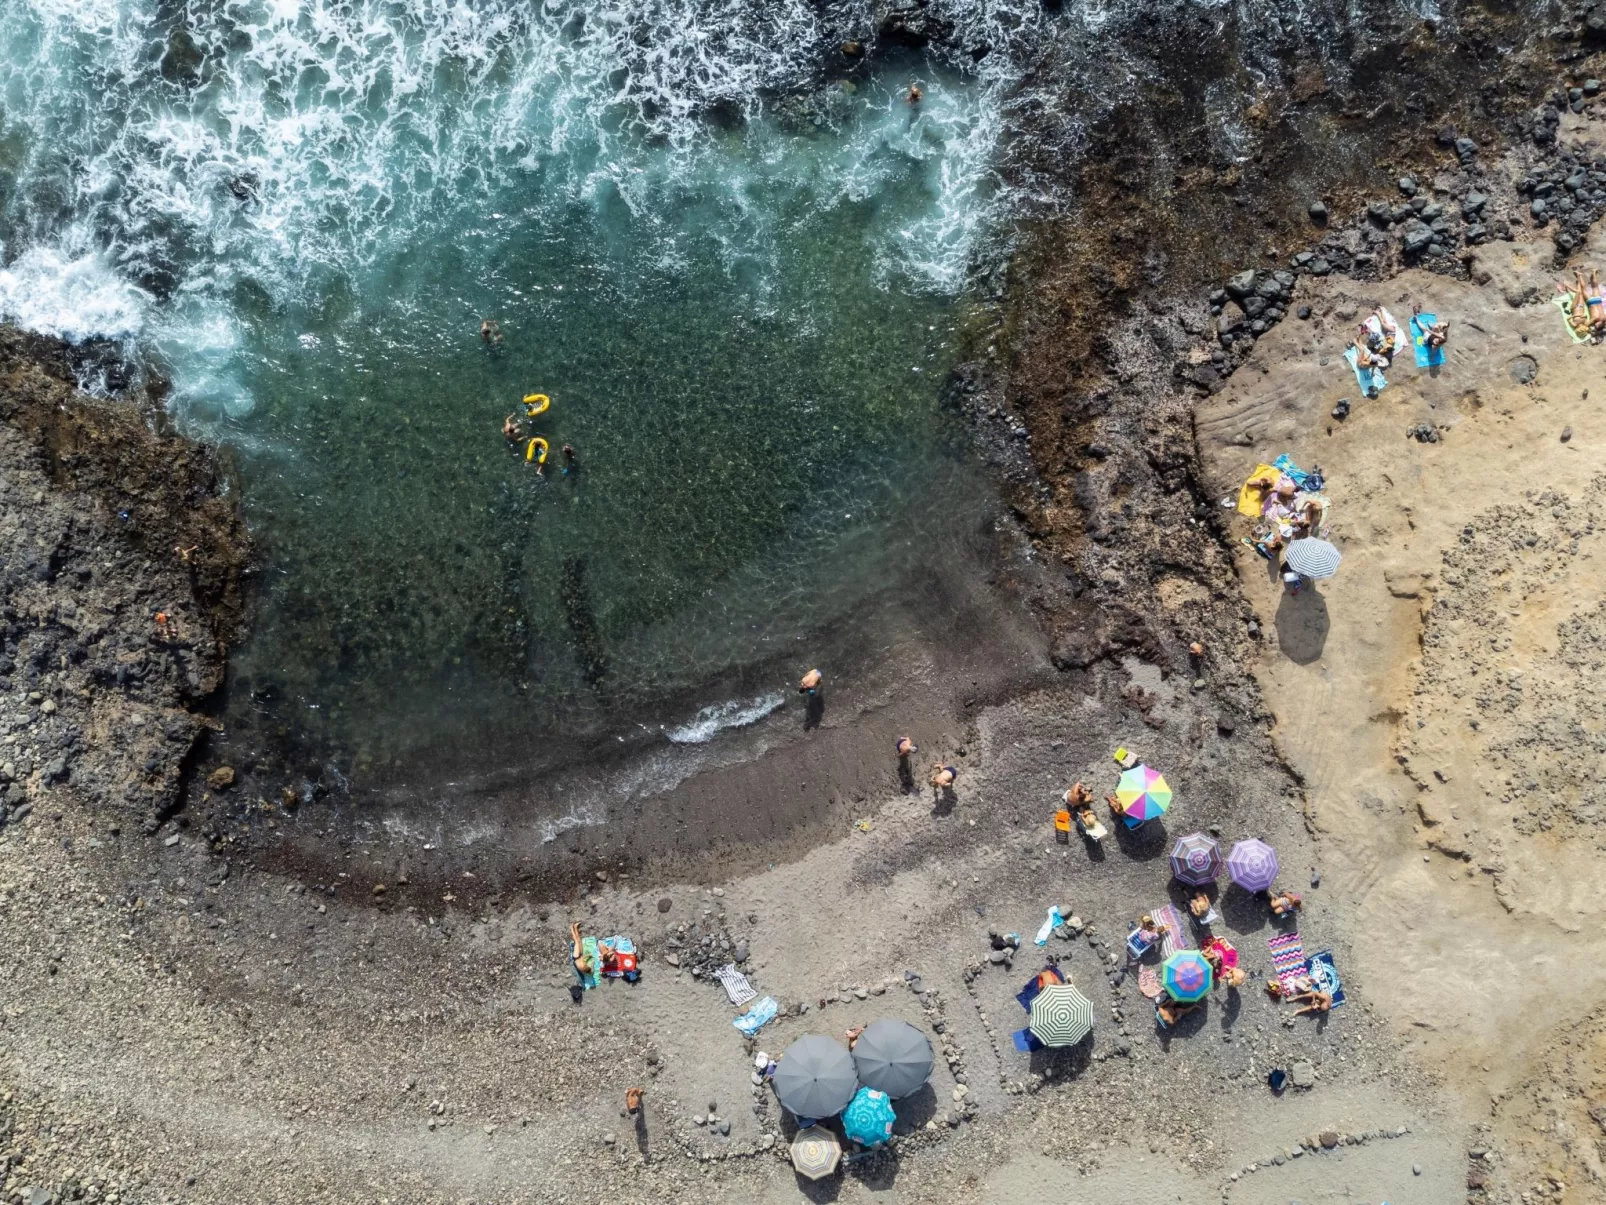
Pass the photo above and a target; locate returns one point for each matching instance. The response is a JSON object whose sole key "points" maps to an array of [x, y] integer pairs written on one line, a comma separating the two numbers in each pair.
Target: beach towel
{"points": [[1565, 305], [1287, 956], [1285, 465], [1149, 982], [1367, 378], [1426, 357], [1253, 493], [624, 965], [1178, 937], [760, 1015], [1027, 994], [588, 947], [1026, 1041], [1228, 952], [1379, 328], [1324, 975], [735, 984], [1054, 918]]}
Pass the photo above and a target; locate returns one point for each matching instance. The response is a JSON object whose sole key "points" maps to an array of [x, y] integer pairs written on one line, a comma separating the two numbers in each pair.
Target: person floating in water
{"points": [[914, 96], [512, 429], [491, 333], [569, 461], [536, 452]]}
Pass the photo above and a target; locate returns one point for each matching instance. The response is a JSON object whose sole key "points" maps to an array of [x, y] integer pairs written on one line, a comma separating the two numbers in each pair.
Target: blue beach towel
{"points": [[1367, 378], [1285, 465], [1324, 975], [755, 1018], [1025, 1041], [1426, 357]]}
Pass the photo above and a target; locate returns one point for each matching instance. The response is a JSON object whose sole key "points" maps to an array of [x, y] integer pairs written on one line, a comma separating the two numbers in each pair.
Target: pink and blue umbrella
{"points": [[1143, 794], [1196, 859], [1186, 976], [1252, 864]]}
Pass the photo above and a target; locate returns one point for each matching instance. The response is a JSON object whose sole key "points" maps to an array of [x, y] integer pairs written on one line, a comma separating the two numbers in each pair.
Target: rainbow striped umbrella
{"points": [[1186, 976], [1252, 864], [1196, 859], [1143, 794]]}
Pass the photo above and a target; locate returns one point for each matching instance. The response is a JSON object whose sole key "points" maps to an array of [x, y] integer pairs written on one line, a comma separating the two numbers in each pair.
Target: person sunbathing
{"points": [[1315, 1001], [1368, 357], [1580, 316], [1286, 903], [1199, 904], [1234, 977], [1382, 325], [1169, 1012], [577, 956], [1434, 334], [1597, 306]]}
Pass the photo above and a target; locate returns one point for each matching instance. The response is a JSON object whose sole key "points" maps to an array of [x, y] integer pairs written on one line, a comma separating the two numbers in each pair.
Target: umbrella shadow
{"points": [[1144, 843], [1244, 911], [1302, 625], [876, 1170], [1185, 1027], [827, 1189], [1066, 1062], [915, 1109]]}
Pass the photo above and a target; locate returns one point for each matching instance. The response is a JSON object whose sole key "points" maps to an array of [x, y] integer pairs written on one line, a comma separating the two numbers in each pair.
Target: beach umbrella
{"points": [[1312, 557], [868, 1118], [816, 1152], [1143, 794], [1252, 865], [893, 1057], [1196, 859], [815, 1077], [1061, 1015], [1186, 976]]}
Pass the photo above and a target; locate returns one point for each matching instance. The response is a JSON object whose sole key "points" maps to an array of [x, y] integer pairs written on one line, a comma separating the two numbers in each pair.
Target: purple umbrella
{"points": [[1196, 859], [1252, 865]]}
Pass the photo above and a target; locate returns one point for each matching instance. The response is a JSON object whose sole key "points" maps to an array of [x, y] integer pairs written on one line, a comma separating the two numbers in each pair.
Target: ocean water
{"points": [[740, 281]]}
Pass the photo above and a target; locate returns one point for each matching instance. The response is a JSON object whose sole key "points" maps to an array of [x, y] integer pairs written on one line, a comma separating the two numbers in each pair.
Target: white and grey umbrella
{"points": [[1311, 557]]}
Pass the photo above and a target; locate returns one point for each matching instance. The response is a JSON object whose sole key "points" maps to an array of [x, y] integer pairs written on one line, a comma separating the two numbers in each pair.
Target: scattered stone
{"points": [[1407, 186], [1329, 1139], [1303, 313], [221, 779], [1566, 434], [1303, 1074], [610, 1138], [1416, 1169], [665, 904], [1318, 213]]}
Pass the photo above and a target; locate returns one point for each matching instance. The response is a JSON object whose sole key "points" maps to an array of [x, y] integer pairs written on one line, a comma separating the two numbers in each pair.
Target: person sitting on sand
{"points": [[942, 777], [1233, 977], [1315, 1001], [1365, 357], [1581, 315], [490, 333], [1286, 903], [1146, 936], [810, 683], [1434, 334]]}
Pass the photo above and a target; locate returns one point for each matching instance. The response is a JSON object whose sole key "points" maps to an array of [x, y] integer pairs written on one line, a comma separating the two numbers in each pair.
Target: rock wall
{"points": [[122, 565]]}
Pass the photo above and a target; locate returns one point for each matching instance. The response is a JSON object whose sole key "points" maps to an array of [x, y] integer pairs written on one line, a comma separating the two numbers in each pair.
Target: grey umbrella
{"points": [[1311, 557], [892, 1057], [815, 1077]]}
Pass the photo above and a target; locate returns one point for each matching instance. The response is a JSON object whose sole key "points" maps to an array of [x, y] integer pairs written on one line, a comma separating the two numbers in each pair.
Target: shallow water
{"points": [[741, 287]]}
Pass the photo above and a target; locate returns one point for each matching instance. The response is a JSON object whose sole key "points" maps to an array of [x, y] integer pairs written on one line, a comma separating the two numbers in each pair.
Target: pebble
{"points": [[609, 1138], [1416, 1169], [665, 904]]}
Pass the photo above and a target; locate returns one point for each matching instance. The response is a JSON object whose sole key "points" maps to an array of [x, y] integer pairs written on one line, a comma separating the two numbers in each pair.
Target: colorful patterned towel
{"points": [[1149, 982], [1287, 956], [735, 984], [1325, 975], [1177, 936]]}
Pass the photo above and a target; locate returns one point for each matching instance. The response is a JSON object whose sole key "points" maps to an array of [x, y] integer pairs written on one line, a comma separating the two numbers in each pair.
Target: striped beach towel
{"points": [[1177, 936], [1287, 956], [735, 984]]}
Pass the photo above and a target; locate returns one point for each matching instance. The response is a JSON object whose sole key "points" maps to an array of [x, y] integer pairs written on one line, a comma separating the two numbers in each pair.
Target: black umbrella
{"points": [[892, 1057], [815, 1077]]}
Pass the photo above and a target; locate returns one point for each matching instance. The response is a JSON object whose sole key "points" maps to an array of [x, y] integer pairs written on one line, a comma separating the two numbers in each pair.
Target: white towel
{"points": [[1054, 918], [735, 983]]}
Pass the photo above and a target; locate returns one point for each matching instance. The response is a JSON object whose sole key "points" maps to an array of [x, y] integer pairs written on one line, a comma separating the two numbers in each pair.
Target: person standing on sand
{"points": [[810, 683], [942, 777], [906, 748]]}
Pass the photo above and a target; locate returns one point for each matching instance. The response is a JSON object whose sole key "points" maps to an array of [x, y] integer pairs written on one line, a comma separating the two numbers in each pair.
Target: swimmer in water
{"points": [[490, 333], [512, 429], [914, 96], [569, 461]]}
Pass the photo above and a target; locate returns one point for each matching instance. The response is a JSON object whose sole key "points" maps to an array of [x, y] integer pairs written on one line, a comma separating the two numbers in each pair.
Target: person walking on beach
{"points": [[942, 777], [906, 748], [809, 684]]}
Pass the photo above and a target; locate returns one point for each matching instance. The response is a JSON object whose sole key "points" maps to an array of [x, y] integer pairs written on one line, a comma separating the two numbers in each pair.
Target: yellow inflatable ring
{"points": [[529, 452], [535, 403]]}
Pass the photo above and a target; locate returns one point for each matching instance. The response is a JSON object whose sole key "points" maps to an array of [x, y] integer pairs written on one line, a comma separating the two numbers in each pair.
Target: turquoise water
{"points": [[740, 283]]}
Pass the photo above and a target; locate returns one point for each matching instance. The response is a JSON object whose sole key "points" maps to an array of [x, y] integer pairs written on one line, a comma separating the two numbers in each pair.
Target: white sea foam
{"points": [[74, 298], [714, 719]]}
